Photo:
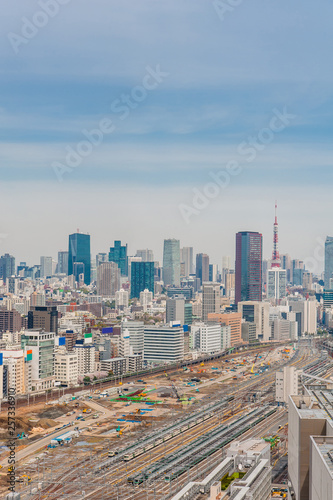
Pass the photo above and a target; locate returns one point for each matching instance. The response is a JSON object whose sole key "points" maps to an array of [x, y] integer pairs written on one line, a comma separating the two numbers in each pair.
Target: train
{"points": [[167, 437]]}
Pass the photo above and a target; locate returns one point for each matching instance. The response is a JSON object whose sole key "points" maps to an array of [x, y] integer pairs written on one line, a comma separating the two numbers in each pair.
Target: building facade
{"points": [[79, 251], [171, 262], [248, 279]]}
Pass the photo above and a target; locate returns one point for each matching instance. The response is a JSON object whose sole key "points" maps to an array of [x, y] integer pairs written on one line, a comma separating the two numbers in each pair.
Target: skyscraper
{"points": [[108, 279], [62, 262], [175, 309], [248, 266], [7, 266], [45, 266], [101, 257], [79, 251], [142, 278], [186, 256], [328, 261], [171, 262], [276, 283], [146, 255], [118, 254], [202, 267], [210, 299]]}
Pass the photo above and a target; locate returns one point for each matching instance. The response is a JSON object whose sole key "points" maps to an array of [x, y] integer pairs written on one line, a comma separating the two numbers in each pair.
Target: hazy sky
{"points": [[215, 77]]}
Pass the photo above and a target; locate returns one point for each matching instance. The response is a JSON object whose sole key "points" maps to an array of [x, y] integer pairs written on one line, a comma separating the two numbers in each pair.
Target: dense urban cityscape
{"points": [[166, 250], [79, 335]]}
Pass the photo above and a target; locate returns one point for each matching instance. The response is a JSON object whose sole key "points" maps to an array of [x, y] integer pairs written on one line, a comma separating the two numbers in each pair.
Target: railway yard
{"points": [[147, 438]]}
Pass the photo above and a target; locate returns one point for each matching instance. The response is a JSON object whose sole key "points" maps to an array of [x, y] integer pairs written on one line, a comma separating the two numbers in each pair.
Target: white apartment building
{"points": [[85, 357], [66, 368], [14, 360]]}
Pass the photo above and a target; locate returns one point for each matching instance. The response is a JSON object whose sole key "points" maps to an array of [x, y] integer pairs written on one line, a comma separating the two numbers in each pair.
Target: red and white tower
{"points": [[276, 262]]}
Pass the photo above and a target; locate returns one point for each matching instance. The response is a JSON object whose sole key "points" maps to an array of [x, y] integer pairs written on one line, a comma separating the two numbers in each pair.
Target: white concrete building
{"points": [[40, 345], [276, 283], [163, 343], [211, 299], [122, 298], [206, 337], [258, 313], [146, 299], [66, 370], [175, 309], [136, 334], [225, 337], [86, 357], [14, 360], [286, 384], [306, 315]]}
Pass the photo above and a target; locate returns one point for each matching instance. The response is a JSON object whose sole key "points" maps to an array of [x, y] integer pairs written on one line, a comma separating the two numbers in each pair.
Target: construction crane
{"points": [[254, 362]]}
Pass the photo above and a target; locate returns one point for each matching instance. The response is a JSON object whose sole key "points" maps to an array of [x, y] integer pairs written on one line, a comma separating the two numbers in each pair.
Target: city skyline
{"points": [[315, 261]]}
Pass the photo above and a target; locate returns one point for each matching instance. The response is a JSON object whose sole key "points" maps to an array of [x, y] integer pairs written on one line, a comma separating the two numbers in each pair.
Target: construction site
{"points": [[103, 442]]}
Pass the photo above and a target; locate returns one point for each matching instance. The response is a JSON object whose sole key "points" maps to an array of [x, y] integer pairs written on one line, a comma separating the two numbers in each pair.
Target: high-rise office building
{"points": [[40, 345], [45, 318], [202, 267], [213, 272], [10, 321], [286, 264], [248, 266], [7, 266], [79, 251], [45, 266], [186, 257], [142, 277], [276, 283], [118, 254], [328, 261], [210, 299], [62, 262], [257, 313], [101, 257], [146, 255], [79, 271], [175, 309], [108, 279], [171, 262]]}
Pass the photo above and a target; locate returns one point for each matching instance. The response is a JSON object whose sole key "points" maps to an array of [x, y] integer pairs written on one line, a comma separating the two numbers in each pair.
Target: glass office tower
{"points": [[79, 251]]}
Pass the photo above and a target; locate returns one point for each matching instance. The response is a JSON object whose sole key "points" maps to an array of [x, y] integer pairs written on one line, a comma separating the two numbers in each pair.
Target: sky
{"points": [[151, 119]]}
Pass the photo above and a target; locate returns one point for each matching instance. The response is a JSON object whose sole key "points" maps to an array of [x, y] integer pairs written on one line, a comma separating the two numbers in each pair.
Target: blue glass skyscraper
{"points": [[142, 277], [118, 254], [79, 251]]}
